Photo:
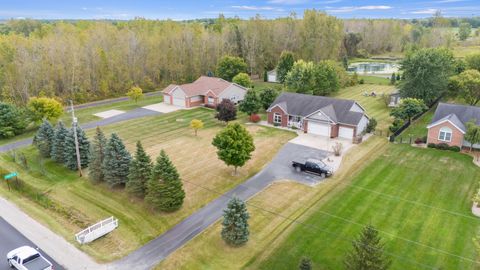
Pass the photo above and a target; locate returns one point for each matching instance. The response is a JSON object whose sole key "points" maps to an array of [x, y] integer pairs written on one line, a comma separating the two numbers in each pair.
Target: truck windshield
{"points": [[31, 258]]}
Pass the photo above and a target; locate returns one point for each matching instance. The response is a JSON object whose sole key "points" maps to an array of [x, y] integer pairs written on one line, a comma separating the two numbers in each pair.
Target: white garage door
{"points": [[166, 99], [319, 129], [345, 132], [179, 101]]}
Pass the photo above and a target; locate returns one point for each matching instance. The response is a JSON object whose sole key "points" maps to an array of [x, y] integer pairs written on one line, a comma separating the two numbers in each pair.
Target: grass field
{"points": [[375, 106], [86, 115], [272, 212], [418, 128], [375, 79], [194, 157], [420, 201]]}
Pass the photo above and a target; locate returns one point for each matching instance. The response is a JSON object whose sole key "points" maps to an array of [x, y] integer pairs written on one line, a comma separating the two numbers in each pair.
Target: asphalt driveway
{"points": [[10, 239], [280, 168]]}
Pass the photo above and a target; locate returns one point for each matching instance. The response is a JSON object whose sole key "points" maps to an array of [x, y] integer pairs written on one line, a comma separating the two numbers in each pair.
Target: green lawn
{"points": [[375, 106], [87, 203], [418, 129], [261, 85], [375, 79], [420, 201], [86, 115]]}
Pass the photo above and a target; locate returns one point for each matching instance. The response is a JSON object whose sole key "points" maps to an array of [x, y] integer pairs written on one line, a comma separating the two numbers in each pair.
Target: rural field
{"points": [[272, 212], [422, 213], [86, 203]]}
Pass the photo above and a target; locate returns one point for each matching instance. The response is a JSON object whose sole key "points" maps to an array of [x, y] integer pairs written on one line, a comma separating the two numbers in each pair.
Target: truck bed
{"points": [[38, 264]]}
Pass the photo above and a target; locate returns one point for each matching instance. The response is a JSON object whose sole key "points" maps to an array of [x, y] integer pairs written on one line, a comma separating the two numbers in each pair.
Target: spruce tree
{"points": [[116, 162], [44, 139], [140, 172], [58, 145], [305, 264], [70, 160], [235, 223], [367, 253], [393, 78], [165, 189], [97, 156]]}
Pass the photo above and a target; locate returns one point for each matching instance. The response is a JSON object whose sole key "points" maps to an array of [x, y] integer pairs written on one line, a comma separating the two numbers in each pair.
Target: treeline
{"points": [[86, 60]]}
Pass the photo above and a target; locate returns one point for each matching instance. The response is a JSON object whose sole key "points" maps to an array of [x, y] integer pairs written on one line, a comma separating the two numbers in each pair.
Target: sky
{"points": [[195, 9]]}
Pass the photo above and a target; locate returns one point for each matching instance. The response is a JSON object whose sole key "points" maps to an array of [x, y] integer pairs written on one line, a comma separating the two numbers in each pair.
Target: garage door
{"points": [[166, 99], [319, 129], [345, 132], [179, 102]]}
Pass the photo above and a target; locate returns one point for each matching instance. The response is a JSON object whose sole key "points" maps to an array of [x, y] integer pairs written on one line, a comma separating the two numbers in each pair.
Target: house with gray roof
{"points": [[449, 124], [325, 116]]}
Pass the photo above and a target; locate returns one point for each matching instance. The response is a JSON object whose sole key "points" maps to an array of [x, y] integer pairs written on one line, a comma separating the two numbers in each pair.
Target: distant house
{"points": [[394, 99], [449, 124], [205, 90], [272, 76], [330, 117]]}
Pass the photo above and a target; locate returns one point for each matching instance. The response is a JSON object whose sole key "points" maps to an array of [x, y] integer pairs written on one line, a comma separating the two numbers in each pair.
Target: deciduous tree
{"points": [[467, 84], [408, 108], [473, 61], [44, 108], [165, 189], [251, 103], [285, 64], [139, 173], [464, 31], [235, 229], [116, 162], [196, 124], [473, 133], [135, 93], [226, 111], [242, 79], [229, 66], [234, 144]]}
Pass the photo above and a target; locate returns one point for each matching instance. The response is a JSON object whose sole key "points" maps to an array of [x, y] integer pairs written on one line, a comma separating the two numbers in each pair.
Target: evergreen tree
{"points": [[116, 162], [70, 160], [97, 156], [367, 253], [398, 77], [251, 103], [393, 78], [140, 172], [165, 189], [265, 76], [235, 223], [58, 145], [345, 62], [305, 264], [44, 139]]}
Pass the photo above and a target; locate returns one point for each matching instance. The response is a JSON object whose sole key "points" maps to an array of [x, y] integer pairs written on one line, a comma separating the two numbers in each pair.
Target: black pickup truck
{"points": [[313, 166]]}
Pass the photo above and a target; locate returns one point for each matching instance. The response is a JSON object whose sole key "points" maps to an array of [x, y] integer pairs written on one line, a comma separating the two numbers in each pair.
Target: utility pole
{"points": [[77, 150]]}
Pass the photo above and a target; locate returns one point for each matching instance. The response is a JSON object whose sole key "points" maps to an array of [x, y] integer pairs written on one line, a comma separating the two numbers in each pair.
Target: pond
{"points": [[373, 68]]}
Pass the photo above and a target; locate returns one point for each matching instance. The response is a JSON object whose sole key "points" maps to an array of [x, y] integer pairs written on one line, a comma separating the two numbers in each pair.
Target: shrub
{"points": [[443, 146], [362, 81], [454, 148], [276, 124], [255, 118], [418, 140], [431, 145], [337, 149], [396, 125], [372, 124]]}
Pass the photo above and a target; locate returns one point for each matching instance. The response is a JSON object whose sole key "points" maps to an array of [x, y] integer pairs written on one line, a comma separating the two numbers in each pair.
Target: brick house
{"points": [[449, 124], [330, 117], [205, 90]]}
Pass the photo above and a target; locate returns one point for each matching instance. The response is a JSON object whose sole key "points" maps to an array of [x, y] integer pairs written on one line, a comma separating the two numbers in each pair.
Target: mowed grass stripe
{"points": [[426, 235]]}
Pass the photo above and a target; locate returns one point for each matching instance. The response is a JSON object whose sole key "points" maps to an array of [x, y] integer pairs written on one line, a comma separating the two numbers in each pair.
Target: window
{"points": [[445, 134], [210, 100], [277, 118]]}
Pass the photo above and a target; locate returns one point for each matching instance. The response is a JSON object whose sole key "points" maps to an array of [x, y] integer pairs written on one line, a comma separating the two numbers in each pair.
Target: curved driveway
{"points": [[158, 249]]}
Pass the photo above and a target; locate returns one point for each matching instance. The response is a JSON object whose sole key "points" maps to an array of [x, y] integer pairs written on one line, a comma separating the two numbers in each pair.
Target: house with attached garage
{"points": [[449, 124], [325, 116], [204, 91]]}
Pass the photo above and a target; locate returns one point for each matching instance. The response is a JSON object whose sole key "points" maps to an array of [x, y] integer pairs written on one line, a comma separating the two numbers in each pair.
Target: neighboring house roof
{"points": [[202, 85], [338, 110], [456, 114]]}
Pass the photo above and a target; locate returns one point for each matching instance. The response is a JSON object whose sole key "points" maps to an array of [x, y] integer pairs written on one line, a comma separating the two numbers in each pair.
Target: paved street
{"points": [[10, 239], [133, 114], [280, 168]]}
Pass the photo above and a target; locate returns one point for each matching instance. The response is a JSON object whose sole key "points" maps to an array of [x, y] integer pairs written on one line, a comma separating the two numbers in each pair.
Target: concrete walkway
{"points": [[280, 168], [133, 114], [55, 246]]}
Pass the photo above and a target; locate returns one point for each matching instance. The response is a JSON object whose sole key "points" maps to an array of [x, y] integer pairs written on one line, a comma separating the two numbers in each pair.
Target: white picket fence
{"points": [[97, 230]]}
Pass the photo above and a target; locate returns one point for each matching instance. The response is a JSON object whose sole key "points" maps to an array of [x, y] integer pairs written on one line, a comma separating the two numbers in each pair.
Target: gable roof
{"points": [[338, 110], [456, 114], [202, 85]]}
